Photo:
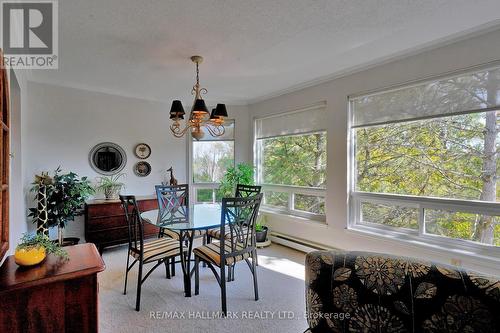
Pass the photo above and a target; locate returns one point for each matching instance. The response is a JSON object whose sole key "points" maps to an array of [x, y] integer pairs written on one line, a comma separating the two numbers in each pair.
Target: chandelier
{"points": [[199, 118]]}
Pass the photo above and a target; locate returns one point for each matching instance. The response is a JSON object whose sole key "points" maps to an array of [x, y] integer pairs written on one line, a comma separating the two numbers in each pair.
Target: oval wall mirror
{"points": [[107, 158]]}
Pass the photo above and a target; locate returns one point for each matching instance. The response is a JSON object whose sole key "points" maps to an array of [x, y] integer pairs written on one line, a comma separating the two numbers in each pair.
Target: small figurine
{"points": [[173, 181]]}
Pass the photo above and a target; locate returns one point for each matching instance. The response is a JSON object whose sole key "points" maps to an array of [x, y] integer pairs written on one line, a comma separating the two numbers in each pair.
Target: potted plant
{"points": [[66, 195], [240, 174], [110, 186], [261, 230], [33, 249]]}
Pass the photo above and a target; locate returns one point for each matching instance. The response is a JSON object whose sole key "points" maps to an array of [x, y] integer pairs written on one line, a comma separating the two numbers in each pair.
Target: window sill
{"points": [[316, 221], [430, 243]]}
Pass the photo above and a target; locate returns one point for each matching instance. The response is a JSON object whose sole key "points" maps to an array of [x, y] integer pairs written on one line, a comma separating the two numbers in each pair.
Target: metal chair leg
{"points": [[223, 289], [139, 284], [196, 275], [206, 240], [167, 268], [126, 275], [254, 273], [172, 266]]}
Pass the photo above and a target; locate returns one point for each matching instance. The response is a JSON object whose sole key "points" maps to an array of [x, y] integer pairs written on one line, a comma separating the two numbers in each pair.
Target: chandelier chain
{"points": [[197, 74]]}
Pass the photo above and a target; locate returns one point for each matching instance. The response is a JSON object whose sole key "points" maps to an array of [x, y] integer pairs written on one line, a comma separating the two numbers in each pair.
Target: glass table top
{"points": [[199, 216]]}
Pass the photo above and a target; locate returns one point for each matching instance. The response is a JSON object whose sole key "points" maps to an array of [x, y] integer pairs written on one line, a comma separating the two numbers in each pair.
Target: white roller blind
{"points": [[477, 91], [308, 119]]}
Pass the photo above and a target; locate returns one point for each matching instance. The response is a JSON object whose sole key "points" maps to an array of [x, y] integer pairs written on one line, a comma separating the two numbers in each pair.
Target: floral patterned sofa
{"points": [[369, 292]]}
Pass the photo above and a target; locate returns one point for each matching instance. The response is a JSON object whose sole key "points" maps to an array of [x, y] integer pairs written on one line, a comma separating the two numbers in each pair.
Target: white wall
{"points": [[63, 124], [466, 53]]}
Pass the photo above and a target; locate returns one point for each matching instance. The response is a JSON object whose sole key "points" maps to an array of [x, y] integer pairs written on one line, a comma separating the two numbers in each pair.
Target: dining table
{"points": [[187, 222]]}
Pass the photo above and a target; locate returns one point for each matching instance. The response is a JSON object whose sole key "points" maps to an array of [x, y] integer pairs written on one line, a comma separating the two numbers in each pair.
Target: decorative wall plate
{"points": [[142, 169], [142, 151], [107, 158]]}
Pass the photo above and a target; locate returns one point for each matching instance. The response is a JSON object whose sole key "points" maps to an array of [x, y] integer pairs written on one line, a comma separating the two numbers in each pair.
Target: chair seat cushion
{"points": [[176, 235], [211, 253], [215, 232], [170, 233], [157, 249]]}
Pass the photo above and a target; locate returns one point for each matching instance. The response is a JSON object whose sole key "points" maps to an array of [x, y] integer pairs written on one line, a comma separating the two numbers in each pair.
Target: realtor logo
{"points": [[30, 34]]}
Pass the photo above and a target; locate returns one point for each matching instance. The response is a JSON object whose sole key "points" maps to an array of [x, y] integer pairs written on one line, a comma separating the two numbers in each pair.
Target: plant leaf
{"points": [[401, 307], [452, 274], [342, 274], [425, 290]]}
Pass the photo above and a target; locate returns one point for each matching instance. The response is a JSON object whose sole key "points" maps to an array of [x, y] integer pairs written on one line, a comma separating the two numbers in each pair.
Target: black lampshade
{"points": [[220, 110], [199, 106], [212, 115], [177, 111]]}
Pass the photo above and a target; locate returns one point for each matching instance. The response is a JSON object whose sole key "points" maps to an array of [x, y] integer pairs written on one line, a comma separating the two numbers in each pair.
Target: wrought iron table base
{"points": [[186, 249]]}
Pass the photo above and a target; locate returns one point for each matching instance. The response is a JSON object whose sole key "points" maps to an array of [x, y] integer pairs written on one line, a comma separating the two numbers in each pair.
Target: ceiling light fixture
{"points": [[199, 117]]}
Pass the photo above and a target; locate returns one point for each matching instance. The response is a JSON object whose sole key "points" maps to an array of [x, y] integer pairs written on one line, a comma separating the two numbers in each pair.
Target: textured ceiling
{"points": [[252, 48]]}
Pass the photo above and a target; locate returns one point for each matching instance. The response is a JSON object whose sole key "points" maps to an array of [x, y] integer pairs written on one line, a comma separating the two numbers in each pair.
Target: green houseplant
{"points": [[110, 186], [33, 249], [66, 195], [240, 174], [261, 229]]}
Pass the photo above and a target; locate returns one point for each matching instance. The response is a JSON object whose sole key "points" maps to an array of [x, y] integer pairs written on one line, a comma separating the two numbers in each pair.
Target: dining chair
{"points": [[173, 206], [242, 191], [238, 215], [160, 251]]}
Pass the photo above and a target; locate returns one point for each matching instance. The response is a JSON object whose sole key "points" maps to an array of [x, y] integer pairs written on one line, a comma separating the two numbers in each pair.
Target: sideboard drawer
{"points": [[103, 222], [105, 210]]}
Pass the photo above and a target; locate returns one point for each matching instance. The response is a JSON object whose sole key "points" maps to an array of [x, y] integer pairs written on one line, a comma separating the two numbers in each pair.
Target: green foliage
{"points": [[298, 160], [241, 174], [29, 241], [259, 227], [446, 157], [211, 160], [66, 196], [260, 223], [111, 182]]}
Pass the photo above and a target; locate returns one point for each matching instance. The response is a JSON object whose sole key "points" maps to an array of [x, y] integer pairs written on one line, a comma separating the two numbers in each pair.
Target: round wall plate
{"points": [[142, 151], [142, 169]]}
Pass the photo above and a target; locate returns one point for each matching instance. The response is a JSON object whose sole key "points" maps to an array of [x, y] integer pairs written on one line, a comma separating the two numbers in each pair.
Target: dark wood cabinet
{"points": [[54, 296], [105, 223]]}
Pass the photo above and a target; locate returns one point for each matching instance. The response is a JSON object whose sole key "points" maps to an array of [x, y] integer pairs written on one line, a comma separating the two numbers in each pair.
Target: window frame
{"points": [[356, 198], [291, 190], [4, 158], [195, 186]]}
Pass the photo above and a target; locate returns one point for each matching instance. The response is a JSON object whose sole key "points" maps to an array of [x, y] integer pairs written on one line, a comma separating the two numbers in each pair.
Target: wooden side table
{"points": [[54, 296]]}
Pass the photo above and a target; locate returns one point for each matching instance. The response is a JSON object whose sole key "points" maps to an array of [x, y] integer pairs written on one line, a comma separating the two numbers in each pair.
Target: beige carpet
{"points": [[165, 309]]}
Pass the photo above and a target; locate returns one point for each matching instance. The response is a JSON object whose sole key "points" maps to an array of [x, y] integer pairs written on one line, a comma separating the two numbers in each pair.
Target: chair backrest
{"points": [[244, 191], [173, 202], [134, 221], [239, 215]]}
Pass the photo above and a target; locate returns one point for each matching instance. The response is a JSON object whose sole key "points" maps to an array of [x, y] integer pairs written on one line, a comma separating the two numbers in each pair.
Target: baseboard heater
{"points": [[297, 243]]}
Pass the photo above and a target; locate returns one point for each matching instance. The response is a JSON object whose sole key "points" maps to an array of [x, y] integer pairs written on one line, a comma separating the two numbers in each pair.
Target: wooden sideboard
{"points": [[105, 223], [54, 296]]}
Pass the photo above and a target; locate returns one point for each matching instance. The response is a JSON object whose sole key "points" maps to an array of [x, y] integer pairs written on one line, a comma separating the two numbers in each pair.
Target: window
{"points": [[425, 159], [4, 159], [291, 161], [211, 156]]}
